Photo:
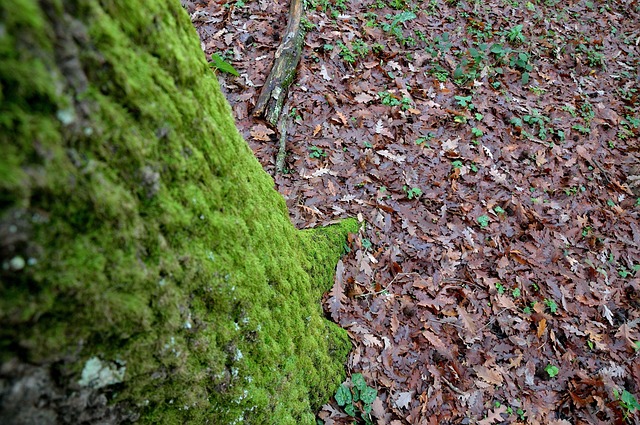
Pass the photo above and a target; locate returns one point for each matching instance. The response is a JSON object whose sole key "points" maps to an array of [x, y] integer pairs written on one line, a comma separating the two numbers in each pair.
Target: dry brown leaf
{"points": [[378, 409], [491, 376], [542, 326], [494, 415], [337, 297], [506, 302], [434, 340], [403, 399], [380, 129], [324, 73], [342, 117], [370, 340], [363, 98], [261, 132], [395, 158], [469, 325]]}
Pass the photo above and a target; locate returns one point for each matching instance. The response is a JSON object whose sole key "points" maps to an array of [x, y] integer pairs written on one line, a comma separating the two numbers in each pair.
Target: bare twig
{"points": [[287, 56], [282, 147]]}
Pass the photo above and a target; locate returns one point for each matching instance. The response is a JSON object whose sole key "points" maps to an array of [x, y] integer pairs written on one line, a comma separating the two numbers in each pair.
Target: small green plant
{"points": [[483, 221], [306, 24], [594, 57], [457, 164], [500, 288], [628, 402], [394, 27], [413, 192], [553, 307], [316, 152], [573, 190], [521, 62], [222, 65], [341, 4], [516, 293], [424, 140], [552, 370], [581, 129], [498, 210], [406, 103], [464, 101], [356, 398], [360, 47], [537, 90], [346, 54], [623, 272], [515, 36], [476, 132], [388, 99]]}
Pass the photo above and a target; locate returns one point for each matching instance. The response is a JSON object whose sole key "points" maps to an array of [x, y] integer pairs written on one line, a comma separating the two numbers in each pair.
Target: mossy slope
{"points": [[137, 227]]}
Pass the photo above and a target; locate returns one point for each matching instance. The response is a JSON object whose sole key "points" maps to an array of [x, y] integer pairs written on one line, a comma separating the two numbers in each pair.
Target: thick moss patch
{"points": [[138, 232]]}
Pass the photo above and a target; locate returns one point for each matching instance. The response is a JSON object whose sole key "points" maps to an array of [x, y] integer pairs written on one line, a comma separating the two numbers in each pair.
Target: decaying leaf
{"points": [[402, 399], [337, 297], [261, 132]]}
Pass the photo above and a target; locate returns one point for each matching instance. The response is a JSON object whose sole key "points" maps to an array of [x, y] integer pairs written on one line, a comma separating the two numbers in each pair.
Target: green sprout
{"points": [[483, 221], [552, 370]]}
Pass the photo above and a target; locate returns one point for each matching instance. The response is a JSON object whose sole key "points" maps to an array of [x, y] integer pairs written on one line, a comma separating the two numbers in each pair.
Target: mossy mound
{"points": [[144, 251]]}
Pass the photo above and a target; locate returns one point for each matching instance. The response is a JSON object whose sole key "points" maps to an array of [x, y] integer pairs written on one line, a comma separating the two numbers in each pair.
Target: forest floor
{"points": [[492, 150]]}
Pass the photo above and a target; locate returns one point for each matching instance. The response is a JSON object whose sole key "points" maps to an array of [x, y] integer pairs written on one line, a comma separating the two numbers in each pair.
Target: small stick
{"points": [[282, 73], [282, 147]]}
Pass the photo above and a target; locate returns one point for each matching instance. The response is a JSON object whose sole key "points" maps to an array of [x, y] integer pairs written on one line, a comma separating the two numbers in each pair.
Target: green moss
{"points": [[153, 237]]}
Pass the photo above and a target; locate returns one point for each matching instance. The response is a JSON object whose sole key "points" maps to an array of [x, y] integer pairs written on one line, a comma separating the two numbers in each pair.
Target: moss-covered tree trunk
{"points": [[149, 271]]}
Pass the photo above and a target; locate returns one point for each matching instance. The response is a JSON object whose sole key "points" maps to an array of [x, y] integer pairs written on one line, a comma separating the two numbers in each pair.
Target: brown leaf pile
{"points": [[495, 279]]}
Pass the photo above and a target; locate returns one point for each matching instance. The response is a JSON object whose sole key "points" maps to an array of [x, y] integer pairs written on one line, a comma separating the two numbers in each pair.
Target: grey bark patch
{"points": [[29, 395]]}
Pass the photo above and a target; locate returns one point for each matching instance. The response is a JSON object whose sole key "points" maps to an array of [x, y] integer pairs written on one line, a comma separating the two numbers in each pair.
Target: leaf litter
{"points": [[491, 151]]}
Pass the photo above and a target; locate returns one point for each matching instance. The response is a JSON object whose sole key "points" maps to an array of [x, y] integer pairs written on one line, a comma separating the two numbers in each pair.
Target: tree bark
{"points": [[274, 91], [148, 269]]}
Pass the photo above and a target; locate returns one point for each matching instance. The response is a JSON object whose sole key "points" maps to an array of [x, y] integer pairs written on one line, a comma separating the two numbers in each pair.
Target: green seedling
{"points": [[423, 140], [217, 62], [464, 101], [357, 398], [414, 192], [483, 221], [553, 307], [388, 99], [316, 152], [515, 36], [552, 371], [628, 402]]}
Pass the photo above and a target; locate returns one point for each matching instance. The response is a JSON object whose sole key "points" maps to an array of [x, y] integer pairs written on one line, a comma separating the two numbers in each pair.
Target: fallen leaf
{"points": [[491, 376], [261, 132], [324, 74], [370, 340], [542, 326], [494, 415], [395, 158], [337, 297], [403, 399], [363, 98], [380, 129]]}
